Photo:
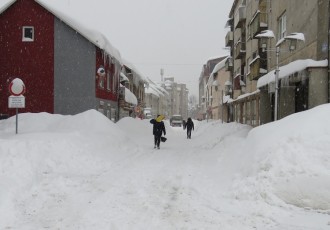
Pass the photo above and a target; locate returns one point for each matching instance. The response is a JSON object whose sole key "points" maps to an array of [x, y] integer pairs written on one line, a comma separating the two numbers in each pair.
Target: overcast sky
{"points": [[176, 35]]}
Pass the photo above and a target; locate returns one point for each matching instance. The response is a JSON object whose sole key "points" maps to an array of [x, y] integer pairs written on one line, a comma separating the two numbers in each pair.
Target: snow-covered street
{"points": [[85, 172]]}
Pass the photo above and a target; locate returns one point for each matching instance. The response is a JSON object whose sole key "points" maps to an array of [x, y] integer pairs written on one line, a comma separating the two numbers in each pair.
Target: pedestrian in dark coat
{"points": [[189, 126], [158, 129]]}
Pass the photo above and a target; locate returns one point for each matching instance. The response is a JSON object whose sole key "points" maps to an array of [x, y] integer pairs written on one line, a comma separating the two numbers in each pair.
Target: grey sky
{"points": [[176, 35]]}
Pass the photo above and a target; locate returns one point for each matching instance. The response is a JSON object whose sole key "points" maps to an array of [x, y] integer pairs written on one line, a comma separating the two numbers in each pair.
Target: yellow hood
{"points": [[160, 118]]}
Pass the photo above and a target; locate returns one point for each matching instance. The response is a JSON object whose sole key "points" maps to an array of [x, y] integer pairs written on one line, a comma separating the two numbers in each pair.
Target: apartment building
{"points": [[177, 97], [217, 88], [205, 96], [156, 99], [295, 57]]}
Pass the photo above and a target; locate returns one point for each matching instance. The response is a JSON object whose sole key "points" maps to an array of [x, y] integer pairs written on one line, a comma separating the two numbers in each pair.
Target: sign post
{"points": [[16, 100]]}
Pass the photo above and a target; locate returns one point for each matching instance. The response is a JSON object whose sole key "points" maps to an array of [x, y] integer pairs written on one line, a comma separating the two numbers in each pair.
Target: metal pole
{"points": [[221, 106], [276, 82], [16, 120], [329, 51]]}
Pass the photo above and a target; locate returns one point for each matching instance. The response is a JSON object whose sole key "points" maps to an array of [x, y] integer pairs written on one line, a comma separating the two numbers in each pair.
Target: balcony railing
{"points": [[240, 17], [258, 23], [240, 50], [229, 38], [229, 64], [258, 67]]}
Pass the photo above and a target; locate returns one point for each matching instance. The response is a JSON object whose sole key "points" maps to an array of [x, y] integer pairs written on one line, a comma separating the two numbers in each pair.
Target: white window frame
{"points": [[24, 37], [282, 26]]}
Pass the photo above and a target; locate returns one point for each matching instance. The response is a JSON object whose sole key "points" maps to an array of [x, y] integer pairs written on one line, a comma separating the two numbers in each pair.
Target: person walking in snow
{"points": [[189, 127], [158, 129]]}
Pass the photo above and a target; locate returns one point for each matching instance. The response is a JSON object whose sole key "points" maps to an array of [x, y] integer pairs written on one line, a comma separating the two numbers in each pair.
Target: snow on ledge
{"points": [[289, 69], [266, 34], [130, 97]]}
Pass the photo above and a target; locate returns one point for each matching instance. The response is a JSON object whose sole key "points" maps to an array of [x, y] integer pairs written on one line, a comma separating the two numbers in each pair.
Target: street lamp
{"points": [[293, 38]]}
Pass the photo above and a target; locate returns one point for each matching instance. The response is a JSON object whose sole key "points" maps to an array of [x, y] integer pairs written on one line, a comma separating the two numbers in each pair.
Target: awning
{"points": [[129, 96], [291, 68]]}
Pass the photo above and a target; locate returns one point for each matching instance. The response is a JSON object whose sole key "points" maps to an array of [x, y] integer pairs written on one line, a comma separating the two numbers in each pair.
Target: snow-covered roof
{"points": [[140, 76], [289, 69], [213, 58], [216, 68], [151, 90], [5, 4], [95, 37], [155, 89]]}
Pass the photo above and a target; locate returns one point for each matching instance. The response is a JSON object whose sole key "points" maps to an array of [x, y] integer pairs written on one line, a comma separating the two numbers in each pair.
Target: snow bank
{"points": [[86, 172], [291, 158]]}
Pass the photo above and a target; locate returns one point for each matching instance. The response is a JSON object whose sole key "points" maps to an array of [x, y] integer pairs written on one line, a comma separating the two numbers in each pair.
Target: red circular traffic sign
{"points": [[16, 87]]}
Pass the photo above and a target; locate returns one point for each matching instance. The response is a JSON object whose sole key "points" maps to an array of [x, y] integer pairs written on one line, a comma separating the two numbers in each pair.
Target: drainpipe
{"points": [[328, 51]]}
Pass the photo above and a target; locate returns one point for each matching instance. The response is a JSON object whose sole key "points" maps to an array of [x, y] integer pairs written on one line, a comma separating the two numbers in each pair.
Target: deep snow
{"points": [[85, 172]]}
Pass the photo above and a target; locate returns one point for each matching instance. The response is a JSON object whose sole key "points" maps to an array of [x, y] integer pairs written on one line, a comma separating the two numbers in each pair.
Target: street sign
{"points": [[16, 102], [16, 87]]}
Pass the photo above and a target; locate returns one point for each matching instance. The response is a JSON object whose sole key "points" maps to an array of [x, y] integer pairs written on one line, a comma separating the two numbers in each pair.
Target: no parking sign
{"points": [[16, 87], [16, 100]]}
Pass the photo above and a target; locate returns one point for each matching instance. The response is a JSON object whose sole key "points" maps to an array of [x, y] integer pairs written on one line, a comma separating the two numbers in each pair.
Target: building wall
{"points": [[286, 104], [252, 45], [323, 30], [266, 111], [302, 17], [219, 110], [75, 69], [30, 61], [310, 17], [318, 87]]}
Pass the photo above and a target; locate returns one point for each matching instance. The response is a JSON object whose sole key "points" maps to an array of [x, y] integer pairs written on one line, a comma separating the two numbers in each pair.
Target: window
{"points": [[28, 34], [282, 26]]}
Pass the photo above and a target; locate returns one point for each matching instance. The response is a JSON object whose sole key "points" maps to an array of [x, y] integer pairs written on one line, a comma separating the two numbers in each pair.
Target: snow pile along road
{"points": [[85, 172]]}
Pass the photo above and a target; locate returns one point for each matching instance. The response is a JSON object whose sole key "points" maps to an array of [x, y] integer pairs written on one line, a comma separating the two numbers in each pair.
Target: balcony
{"points": [[240, 50], [257, 68], [262, 4], [240, 17], [229, 64], [258, 23], [229, 38]]}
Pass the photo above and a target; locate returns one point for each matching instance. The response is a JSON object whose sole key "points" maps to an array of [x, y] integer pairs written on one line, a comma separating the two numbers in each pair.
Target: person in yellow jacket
{"points": [[158, 129]]}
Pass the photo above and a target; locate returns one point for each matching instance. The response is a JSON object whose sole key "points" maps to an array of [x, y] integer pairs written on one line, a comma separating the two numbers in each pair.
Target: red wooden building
{"points": [[66, 68]]}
